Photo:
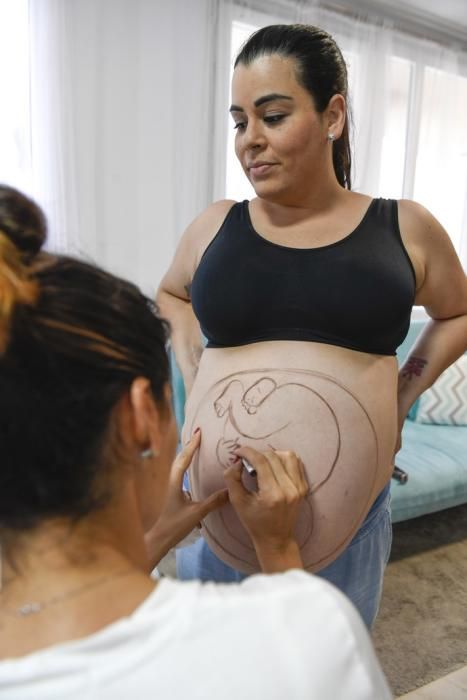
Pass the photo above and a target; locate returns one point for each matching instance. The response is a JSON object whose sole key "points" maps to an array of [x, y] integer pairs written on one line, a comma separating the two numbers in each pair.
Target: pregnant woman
{"points": [[304, 294]]}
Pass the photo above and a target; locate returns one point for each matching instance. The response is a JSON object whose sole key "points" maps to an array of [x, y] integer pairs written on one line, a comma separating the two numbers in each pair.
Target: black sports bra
{"points": [[356, 293]]}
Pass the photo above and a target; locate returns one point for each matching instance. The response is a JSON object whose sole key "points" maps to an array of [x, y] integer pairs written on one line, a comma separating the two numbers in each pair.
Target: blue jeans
{"points": [[358, 571]]}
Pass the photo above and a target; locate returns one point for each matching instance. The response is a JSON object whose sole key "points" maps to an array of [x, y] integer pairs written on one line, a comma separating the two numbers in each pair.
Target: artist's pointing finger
{"points": [[185, 456]]}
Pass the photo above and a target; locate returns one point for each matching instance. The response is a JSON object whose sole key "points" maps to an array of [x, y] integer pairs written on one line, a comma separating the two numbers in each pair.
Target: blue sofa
{"points": [[434, 456], [435, 459]]}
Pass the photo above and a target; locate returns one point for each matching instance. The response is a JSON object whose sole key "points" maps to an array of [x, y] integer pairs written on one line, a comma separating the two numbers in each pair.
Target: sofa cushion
{"points": [[435, 459], [445, 403]]}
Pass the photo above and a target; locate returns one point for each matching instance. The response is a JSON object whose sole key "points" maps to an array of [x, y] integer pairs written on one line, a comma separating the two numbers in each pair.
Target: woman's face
{"points": [[281, 140]]}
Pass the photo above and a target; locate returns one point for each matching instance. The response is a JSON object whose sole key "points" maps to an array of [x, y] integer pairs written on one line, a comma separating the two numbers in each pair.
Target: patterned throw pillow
{"points": [[445, 403]]}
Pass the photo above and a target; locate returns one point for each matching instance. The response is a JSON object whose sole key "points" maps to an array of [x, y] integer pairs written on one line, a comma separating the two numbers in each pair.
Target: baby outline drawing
{"points": [[256, 415]]}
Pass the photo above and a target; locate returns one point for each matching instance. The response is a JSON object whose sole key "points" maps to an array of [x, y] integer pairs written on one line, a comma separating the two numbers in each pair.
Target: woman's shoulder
{"points": [[258, 591], [414, 216], [441, 280], [204, 227], [192, 244], [256, 586], [421, 229], [211, 219]]}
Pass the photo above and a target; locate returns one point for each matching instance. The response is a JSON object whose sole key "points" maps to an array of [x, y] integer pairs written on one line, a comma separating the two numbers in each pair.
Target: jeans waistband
{"points": [[379, 502], [377, 511]]}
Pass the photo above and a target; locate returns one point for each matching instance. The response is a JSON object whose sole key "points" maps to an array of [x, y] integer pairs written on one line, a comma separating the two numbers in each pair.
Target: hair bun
{"points": [[22, 221], [22, 233]]}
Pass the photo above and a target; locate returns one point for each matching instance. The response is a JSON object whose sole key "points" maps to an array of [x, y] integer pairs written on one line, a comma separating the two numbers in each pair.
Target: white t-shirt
{"points": [[288, 636]]}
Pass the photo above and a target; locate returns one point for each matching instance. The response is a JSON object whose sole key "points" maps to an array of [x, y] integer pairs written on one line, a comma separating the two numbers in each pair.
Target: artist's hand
{"points": [[180, 513], [269, 514]]}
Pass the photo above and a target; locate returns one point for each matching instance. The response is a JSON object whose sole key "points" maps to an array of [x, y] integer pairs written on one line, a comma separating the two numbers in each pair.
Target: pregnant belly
{"points": [[322, 419]]}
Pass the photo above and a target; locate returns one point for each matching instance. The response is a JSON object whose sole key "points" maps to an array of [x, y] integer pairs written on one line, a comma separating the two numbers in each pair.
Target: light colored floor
{"points": [[451, 687]]}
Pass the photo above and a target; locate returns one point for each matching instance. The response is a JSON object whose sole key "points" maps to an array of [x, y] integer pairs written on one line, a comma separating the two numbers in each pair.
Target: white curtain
{"points": [[53, 152], [440, 181], [123, 113], [15, 122]]}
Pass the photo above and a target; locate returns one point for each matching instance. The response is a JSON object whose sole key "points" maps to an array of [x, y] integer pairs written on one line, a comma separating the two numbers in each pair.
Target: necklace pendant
{"points": [[29, 609]]}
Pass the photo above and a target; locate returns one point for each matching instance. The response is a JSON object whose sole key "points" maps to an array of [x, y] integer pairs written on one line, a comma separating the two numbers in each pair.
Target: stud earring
{"points": [[148, 453], [331, 137]]}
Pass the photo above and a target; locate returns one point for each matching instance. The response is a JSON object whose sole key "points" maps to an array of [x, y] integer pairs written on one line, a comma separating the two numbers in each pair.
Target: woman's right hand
{"points": [[269, 514]]}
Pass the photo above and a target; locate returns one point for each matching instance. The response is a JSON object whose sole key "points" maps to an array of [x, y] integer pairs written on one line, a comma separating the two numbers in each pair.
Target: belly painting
{"points": [[285, 406]]}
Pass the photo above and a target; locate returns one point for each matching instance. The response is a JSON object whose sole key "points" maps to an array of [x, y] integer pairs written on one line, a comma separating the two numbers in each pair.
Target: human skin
{"points": [[343, 428]]}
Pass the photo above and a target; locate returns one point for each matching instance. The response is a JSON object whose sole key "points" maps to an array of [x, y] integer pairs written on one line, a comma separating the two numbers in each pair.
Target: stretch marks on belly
{"points": [[287, 409]]}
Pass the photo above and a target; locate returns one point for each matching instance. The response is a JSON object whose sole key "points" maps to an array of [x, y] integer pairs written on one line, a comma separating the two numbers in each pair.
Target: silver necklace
{"points": [[33, 607]]}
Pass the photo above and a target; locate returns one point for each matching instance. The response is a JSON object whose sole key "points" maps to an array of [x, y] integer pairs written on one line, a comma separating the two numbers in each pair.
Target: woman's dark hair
{"points": [[321, 70], [72, 340]]}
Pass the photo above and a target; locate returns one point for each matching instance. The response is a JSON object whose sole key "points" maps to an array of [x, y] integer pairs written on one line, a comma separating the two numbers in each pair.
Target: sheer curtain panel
{"points": [[123, 96], [53, 181]]}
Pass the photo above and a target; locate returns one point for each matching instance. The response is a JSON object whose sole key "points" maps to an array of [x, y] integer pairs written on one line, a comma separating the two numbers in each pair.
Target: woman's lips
{"points": [[260, 170]]}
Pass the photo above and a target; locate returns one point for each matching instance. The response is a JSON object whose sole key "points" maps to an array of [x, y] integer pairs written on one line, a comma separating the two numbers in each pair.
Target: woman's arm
{"points": [[442, 290], [185, 333], [438, 346], [174, 293]]}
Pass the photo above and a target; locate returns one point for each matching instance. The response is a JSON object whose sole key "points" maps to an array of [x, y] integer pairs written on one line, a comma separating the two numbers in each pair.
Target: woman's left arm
{"points": [[442, 290]]}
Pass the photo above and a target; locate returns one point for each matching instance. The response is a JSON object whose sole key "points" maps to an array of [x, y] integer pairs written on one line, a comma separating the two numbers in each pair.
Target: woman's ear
{"points": [[336, 113], [145, 415]]}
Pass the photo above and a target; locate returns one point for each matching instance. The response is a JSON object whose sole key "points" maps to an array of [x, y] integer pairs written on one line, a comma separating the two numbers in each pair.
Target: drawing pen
{"points": [[251, 470]]}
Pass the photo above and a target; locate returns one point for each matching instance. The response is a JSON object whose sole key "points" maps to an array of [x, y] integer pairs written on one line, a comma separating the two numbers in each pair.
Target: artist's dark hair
{"points": [[72, 340], [321, 70]]}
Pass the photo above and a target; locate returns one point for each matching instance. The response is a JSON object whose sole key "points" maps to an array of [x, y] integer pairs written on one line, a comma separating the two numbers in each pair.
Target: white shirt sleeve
{"points": [[326, 646]]}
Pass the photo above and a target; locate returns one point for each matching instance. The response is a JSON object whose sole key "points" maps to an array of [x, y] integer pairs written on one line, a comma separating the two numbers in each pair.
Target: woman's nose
{"points": [[254, 136]]}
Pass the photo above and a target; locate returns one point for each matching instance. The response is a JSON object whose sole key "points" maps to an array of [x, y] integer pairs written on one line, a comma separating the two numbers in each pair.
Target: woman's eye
{"points": [[240, 126], [274, 118]]}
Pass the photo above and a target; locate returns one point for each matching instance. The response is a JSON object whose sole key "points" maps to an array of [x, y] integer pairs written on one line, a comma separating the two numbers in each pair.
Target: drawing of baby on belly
{"points": [[300, 410], [256, 416]]}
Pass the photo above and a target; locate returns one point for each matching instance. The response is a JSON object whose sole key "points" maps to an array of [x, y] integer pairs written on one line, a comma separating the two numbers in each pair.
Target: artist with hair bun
{"points": [[303, 295], [90, 500]]}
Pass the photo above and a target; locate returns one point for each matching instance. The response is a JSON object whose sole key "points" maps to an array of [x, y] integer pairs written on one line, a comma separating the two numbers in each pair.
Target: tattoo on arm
{"points": [[414, 367]]}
